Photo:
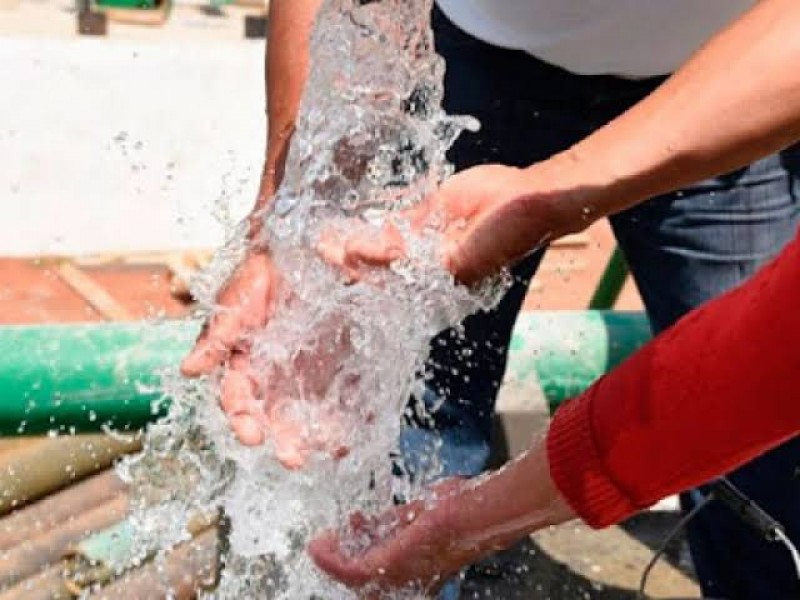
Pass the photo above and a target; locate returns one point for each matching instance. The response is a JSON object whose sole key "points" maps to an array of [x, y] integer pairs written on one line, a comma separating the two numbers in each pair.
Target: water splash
{"points": [[370, 140]]}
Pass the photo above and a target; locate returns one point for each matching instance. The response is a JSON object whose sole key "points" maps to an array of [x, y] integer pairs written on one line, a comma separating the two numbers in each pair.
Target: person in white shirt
{"points": [[542, 75], [632, 39]]}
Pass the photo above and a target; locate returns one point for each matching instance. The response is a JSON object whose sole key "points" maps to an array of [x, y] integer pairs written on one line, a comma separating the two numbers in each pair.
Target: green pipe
{"points": [[611, 282], [564, 352], [84, 378]]}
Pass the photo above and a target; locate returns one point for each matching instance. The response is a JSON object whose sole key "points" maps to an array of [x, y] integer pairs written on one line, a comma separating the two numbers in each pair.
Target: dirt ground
{"points": [[572, 562]]}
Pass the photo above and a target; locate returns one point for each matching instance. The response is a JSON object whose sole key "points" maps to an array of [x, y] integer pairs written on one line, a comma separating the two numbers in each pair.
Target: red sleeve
{"points": [[716, 390]]}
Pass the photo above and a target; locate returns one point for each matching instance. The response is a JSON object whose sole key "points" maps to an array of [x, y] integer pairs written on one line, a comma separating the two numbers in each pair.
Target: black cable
{"points": [[755, 516], [747, 510], [667, 540]]}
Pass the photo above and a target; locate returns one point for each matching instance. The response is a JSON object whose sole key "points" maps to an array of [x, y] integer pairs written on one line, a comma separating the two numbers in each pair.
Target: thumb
{"points": [[456, 259], [326, 553], [348, 251]]}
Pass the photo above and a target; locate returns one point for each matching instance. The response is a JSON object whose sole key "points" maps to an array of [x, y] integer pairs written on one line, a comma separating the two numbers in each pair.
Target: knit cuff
{"points": [[578, 470]]}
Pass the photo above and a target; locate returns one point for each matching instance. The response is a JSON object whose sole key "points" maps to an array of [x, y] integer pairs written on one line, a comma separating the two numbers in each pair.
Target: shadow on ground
{"points": [[529, 572], [573, 562]]}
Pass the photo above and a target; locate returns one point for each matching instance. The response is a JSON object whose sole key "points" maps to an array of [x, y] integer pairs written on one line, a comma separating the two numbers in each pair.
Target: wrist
{"points": [[271, 177], [620, 165], [580, 191], [499, 509]]}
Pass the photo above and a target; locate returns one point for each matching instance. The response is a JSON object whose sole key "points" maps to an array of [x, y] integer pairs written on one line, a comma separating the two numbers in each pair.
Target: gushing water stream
{"points": [[371, 139]]}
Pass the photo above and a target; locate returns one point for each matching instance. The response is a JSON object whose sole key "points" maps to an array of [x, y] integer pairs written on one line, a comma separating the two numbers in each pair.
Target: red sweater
{"points": [[716, 390]]}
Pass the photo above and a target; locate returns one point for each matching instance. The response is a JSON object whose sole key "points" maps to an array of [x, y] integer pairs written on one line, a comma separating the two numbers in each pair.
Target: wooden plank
{"points": [[91, 291]]}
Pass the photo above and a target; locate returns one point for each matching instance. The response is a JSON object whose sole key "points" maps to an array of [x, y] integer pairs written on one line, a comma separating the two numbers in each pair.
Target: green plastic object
{"points": [[112, 547], [611, 282], [565, 352], [86, 378], [141, 4]]}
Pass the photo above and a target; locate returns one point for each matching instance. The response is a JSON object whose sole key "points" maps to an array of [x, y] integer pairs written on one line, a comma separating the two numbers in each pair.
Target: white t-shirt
{"points": [[629, 38]]}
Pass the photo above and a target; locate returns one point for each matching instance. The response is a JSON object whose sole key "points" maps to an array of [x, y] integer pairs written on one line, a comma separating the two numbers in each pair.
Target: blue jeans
{"points": [[682, 248]]}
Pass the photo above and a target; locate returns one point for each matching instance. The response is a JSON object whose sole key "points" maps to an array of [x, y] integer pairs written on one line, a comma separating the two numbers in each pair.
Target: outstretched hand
{"points": [[244, 305], [422, 544], [259, 407], [414, 545], [488, 217]]}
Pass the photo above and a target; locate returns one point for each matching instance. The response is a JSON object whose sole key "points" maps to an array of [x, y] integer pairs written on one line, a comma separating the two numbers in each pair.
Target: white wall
{"points": [[112, 146]]}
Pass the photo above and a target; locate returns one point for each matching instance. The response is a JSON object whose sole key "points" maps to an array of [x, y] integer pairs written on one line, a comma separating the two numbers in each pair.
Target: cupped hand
{"points": [[488, 217], [412, 546], [244, 305], [257, 401]]}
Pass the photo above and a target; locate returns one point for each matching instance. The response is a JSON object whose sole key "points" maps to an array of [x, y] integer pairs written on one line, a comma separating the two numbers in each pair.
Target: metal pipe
{"points": [[564, 352], [45, 585], [106, 554], [50, 512], [40, 468], [190, 568], [24, 560], [84, 377]]}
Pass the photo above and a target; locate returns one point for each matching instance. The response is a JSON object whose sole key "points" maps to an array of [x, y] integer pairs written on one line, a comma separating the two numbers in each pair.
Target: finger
{"points": [[248, 430], [292, 456], [456, 259], [251, 292], [326, 553], [331, 248], [359, 523], [238, 388], [347, 251], [244, 304], [239, 401], [288, 436], [375, 250], [339, 452], [213, 346], [291, 449]]}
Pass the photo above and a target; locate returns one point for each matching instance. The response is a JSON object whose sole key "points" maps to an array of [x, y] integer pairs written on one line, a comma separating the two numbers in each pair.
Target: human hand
{"points": [[244, 305], [258, 401], [415, 545], [488, 217], [422, 544]]}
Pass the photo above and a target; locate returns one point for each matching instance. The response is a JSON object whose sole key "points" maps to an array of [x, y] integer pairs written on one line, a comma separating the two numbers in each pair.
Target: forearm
{"points": [[714, 392], [736, 100], [287, 65], [497, 510]]}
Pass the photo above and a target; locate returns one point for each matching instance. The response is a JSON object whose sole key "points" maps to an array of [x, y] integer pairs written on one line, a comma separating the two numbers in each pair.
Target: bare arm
{"points": [[736, 100], [246, 301], [287, 63]]}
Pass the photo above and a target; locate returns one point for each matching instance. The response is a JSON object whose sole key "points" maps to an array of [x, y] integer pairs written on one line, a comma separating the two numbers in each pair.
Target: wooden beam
{"points": [[91, 291]]}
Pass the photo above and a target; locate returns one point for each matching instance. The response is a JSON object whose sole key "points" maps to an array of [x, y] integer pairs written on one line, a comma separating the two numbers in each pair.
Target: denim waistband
{"points": [[589, 89]]}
